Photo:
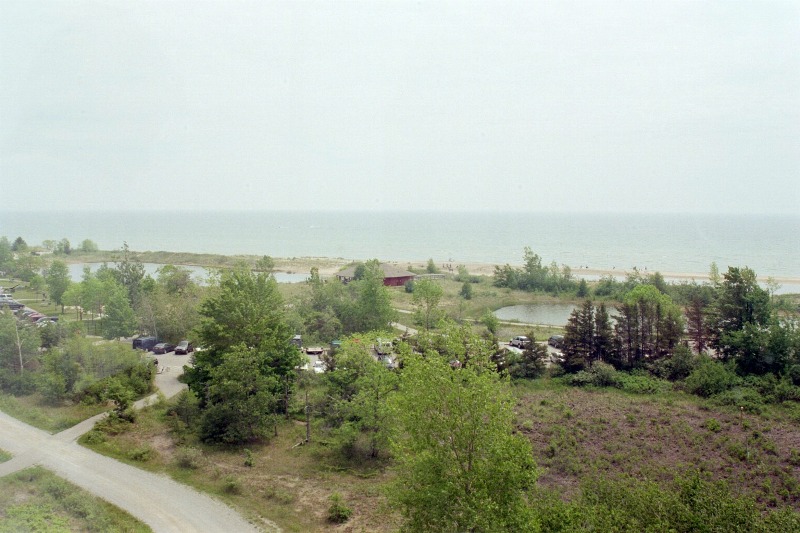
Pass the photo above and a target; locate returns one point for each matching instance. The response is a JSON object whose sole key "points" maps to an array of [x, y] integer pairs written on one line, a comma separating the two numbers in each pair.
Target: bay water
{"points": [[665, 242]]}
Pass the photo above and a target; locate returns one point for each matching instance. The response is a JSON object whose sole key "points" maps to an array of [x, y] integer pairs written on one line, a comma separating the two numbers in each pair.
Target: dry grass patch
{"points": [[577, 433], [290, 485]]}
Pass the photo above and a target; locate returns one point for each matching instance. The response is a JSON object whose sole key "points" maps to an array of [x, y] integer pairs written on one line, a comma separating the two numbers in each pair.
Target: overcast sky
{"points": [[532, 106]]}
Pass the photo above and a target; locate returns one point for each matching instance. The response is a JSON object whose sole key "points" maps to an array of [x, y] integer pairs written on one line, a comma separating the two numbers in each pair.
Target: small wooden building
{"points": [[393, 276]]}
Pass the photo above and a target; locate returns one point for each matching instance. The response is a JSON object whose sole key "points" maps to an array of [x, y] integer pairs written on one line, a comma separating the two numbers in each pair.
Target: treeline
{"points": [[748, 353], [74, 369], [533, 276], [25, 262]]}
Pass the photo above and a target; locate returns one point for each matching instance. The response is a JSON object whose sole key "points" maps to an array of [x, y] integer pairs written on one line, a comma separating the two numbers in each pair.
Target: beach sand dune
{"points": [[330, 266]]}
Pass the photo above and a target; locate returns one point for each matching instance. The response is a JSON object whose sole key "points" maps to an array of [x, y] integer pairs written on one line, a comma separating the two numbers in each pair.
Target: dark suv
{"points": [[145, 343]]}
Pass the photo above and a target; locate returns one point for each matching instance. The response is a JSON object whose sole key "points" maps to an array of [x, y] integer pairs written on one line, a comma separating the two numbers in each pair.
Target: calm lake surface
{"points": [[199, 274], [668, 243], [550, 314]]}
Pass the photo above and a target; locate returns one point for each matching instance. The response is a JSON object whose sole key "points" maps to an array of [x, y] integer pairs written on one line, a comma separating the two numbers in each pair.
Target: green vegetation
{"points": [[690, 399], [36, 500], [536, 277], [459, 465]]}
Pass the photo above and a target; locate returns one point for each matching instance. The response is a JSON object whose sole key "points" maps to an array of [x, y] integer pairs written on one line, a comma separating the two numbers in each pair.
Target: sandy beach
{"points": [[329, 266]]}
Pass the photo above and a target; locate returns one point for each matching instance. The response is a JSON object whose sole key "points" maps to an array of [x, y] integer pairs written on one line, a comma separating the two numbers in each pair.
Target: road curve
{"points": [[163, 504]]}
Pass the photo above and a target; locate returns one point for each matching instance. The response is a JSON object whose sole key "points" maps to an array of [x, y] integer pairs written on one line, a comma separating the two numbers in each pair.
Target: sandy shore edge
{"points": [[329, 266]]}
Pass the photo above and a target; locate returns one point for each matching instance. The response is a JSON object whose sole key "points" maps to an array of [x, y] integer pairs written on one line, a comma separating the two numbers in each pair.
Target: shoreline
{"points": [[329, 266]]}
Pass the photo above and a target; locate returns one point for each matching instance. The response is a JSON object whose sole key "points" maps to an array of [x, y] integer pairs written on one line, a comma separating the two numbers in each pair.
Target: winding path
{"points": [[163, 504]]}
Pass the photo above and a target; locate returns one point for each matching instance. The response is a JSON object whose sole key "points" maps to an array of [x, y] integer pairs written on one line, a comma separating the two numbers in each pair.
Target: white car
{"points": [[520, 342], [319, 366]]}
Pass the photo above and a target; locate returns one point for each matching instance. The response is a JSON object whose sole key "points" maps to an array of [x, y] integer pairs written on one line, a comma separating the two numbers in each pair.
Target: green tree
{"points": [[169, 310], [426, 297], [58, 281], [241, 400], [6, 254], [466, 291], [63, 247], [460, 466], [244, 312], [358, 388], [265, 264], [175, 280], [88, 246], [19, 344], [713, 274], [583, 289], [491, 321], [531, 363], [603, 335], [740, 301], [578, 347], [372, 308], [129, 271], [657, 281], [697, 310], [19, 245], [649, 326], [431, 268], [119, 319]]}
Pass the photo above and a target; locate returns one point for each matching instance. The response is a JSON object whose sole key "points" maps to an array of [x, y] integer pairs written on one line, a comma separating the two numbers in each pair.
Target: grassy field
{"points": [[588, 433], [289, 484], [577, 435], [36, 500], [33, 410]]}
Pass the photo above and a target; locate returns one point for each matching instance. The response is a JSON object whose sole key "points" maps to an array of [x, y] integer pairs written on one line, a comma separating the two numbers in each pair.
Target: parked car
{"points": [[297, 340], [163, 347], [183, 348], [383, 346], [319, 366], [11, 304], [556, 341], [520, 342], [145, 343], [46, 320], [33, 317]]}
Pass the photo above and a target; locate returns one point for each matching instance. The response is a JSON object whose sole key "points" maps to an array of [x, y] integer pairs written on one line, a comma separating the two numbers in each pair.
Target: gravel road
{"points": [[163, 504]]}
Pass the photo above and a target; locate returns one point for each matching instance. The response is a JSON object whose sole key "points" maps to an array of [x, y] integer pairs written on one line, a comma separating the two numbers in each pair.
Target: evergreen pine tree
{"points": [[603, 335], [579, 338]]}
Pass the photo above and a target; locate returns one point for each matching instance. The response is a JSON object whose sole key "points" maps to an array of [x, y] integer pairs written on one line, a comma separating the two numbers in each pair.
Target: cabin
{"points": [[393, 276]]}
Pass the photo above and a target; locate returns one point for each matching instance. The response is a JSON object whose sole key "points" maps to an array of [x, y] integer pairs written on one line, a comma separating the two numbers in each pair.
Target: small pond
{"points": [[550, 314], [199, 274]]}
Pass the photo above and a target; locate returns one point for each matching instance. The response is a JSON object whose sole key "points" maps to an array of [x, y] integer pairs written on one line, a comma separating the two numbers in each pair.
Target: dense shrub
{"points": [[710, 378], [186, 408], [677, 367], [690, 503], [338, 512], [744, 397], [17, 384], [794, 374], [189, 457], [640, 382], [598, 374]]}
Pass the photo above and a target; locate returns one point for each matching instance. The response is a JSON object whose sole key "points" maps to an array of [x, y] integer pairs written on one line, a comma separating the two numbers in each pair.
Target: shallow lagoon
{"points": [[546, 314], [199, 274]]}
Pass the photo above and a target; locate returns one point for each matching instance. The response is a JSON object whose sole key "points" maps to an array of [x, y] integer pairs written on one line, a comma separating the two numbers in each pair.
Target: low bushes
{"points": [[689, 503]]}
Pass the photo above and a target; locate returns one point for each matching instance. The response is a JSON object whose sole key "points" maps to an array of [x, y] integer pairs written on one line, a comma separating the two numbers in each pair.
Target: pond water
{"points": [[549, 314], [199, 274]]}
